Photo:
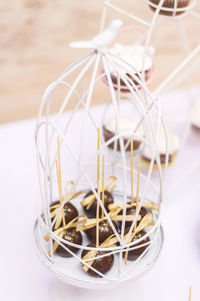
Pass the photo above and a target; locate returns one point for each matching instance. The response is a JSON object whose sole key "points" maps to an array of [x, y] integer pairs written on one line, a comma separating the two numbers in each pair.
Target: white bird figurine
{"points": [[102, 40]]}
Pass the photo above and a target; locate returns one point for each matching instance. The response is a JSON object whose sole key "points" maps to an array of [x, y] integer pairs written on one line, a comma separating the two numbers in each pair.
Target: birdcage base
{"points": [[70, 273]]}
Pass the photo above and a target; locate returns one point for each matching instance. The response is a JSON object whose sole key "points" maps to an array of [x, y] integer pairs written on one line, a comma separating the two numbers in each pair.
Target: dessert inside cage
{"points": [[99, 218], [95, 232]]}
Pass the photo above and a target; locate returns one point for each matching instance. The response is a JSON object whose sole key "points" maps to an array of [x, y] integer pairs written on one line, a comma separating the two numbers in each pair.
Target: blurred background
{"points": [[34, 39]]}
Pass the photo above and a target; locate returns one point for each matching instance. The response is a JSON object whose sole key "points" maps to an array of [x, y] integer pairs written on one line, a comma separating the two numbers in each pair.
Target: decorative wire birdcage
{"points": [[77, 131]]}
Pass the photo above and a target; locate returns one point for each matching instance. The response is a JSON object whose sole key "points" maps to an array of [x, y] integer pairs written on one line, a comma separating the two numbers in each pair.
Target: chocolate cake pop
{"points": [[170, 4], [134, 254], [70, 212], [72, 236], [91, 212], [132, 211], [103, 265], [105, 231]]}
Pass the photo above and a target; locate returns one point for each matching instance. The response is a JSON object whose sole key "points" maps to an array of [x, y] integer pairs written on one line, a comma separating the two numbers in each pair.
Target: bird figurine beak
{"points": [[102, 40]]}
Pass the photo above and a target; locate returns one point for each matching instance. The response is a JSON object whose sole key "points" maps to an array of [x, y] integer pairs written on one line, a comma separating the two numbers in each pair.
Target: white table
{"points": [[23, 277]]}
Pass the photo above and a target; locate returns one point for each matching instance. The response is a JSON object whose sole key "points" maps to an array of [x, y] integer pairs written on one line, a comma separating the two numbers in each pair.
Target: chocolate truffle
{"points": [[170, 4], [134, 254], [70, 212], [105, 231], [103, 265], [132, 211], [91, 212], [173, 147], [127, 128], [72, 236], [133, 55]]}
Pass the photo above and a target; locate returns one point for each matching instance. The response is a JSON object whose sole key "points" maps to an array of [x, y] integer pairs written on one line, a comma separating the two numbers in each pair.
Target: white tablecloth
{"points": [[23, 277]]}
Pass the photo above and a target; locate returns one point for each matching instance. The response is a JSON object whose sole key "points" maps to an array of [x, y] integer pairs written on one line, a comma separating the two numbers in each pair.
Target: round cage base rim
{"points": [[98, 284]]}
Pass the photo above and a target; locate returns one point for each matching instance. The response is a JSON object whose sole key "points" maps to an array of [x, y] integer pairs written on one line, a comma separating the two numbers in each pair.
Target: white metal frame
{"points": [[149, 108]]}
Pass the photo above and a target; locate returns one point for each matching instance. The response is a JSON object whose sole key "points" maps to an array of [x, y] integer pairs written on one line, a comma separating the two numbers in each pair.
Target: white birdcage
{"points": [[77, 131]]}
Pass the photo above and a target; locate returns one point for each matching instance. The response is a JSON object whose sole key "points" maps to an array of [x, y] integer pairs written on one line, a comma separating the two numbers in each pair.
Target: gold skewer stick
{"points": [[58, 181], [137, 204], [102, 213], [132, 171], [190, 294], [98, 189], [58, 168], [137, 194], [132, 200]]}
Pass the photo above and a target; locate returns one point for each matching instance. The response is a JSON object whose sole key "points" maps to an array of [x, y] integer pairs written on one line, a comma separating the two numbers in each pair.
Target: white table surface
{"points": [[23, 277]]}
